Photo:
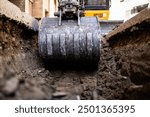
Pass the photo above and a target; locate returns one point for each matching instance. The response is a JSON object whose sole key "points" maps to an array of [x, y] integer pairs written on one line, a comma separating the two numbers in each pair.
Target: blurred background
{"points": [[119, 9]]}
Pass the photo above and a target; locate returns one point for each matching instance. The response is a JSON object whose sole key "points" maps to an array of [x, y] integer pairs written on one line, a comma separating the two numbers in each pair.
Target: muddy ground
{"points": [[123, 71]]}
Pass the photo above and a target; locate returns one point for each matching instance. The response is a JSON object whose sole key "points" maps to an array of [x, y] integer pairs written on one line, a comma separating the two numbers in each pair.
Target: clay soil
{"points": [[123, 71]]}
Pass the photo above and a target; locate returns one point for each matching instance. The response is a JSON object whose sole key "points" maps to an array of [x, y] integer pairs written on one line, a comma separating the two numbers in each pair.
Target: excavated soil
{"points": [[123, 71]]}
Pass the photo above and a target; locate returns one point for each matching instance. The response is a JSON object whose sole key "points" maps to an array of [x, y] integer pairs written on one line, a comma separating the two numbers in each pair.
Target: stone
{"points": [[10, 86]]}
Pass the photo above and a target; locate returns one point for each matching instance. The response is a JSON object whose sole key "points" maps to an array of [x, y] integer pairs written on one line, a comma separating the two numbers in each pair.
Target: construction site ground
{"points": [[123, 71]]}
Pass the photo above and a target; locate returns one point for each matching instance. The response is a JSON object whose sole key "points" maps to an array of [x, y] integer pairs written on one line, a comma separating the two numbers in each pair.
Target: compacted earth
{"points": [[123, 71]]}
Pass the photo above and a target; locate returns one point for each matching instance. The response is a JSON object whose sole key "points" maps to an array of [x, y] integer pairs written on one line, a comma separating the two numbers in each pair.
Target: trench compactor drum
{"points": [[70, 37]]}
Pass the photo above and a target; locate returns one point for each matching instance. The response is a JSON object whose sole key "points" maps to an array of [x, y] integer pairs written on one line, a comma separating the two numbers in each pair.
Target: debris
{"points": [[10, 86]]}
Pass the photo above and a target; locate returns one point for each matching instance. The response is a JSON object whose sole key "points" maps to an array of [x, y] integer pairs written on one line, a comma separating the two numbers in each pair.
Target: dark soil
{"points": [[123, 72]]}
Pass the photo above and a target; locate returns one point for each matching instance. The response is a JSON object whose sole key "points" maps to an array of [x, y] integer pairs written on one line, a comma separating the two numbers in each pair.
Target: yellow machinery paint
{"points": [[102, 14]]}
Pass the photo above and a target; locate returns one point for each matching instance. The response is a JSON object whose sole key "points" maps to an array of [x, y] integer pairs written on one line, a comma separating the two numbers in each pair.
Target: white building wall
{"points": [[116, 10], [46, 7], [53, 7], [130, 4], [122, 10]]}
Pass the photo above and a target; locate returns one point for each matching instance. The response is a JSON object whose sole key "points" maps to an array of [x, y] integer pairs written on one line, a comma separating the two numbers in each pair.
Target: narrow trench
{"points": [[123, 71]]}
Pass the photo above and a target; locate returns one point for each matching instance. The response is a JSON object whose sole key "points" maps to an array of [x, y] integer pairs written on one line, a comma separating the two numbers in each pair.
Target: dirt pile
{"points": [[13, 12], [131, 43], [15, 59]]}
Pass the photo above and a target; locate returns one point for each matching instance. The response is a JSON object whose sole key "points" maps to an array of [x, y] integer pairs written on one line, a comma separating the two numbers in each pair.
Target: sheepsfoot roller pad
{"points": [[70, 43]]}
